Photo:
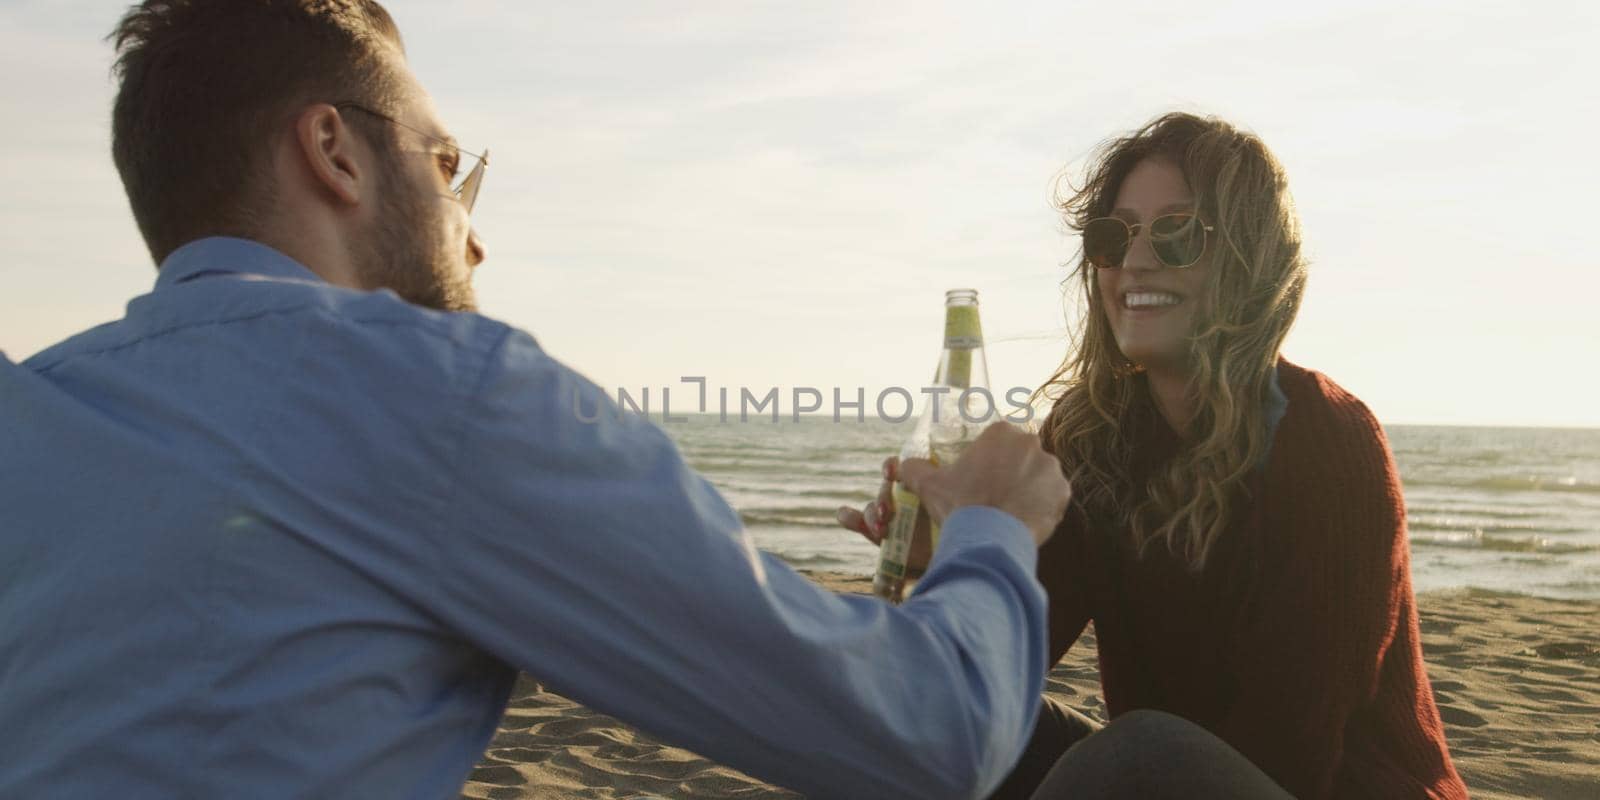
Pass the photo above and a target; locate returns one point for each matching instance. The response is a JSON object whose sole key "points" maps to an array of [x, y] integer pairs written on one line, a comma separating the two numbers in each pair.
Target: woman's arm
{"points": [[1058, 728], [1065, 570], [1334, 577]]}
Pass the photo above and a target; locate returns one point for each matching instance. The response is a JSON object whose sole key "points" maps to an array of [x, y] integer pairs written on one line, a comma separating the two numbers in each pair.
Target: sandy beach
{"points": [[1517, 680]]}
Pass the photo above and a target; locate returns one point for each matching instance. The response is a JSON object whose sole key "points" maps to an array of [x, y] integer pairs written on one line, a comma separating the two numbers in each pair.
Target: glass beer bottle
{"points": [[958, 407]]}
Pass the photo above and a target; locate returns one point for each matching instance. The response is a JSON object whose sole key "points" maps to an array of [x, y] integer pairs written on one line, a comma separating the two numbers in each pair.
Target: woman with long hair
{"points": [[1237, 532]]}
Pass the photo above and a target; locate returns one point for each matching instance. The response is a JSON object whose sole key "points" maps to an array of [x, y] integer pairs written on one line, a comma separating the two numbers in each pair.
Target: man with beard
{"points": [[291, 526]]}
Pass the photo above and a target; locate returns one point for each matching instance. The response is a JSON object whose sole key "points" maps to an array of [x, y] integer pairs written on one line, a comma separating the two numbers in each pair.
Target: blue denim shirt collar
{"points": [[1277, 401], [229, 255]]}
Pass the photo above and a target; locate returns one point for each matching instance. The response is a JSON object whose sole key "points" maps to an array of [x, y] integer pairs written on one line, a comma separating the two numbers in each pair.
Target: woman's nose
{"points": [[1140, 254]]}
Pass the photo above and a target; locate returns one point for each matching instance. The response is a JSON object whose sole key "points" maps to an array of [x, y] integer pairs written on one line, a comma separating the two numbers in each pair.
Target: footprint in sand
{"points": [[1459, 716], [1572, 651], [499, 776]]}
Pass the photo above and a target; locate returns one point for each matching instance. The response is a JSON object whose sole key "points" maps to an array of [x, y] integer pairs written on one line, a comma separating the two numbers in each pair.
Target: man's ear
{"points": [[329, 148]]}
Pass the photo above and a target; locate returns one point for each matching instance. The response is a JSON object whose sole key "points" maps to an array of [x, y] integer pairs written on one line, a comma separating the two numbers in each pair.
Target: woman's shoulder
{"points": [[1332, 480], [1320, 409], [1330, 451]]}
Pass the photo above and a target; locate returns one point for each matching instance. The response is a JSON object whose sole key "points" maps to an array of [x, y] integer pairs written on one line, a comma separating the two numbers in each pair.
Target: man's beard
{"points": [[407, 255]]}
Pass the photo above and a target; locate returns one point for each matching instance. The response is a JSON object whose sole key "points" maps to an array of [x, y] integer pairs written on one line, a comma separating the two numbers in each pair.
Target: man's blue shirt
{"points": [[268, 537]]}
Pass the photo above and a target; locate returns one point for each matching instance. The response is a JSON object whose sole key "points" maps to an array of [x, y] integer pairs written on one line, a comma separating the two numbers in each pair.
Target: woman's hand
{"points": [[872, 521]]}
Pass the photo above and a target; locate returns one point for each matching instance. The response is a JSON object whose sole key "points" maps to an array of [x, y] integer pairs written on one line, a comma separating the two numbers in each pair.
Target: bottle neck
{"points": [[963, 337], [962, 331]]}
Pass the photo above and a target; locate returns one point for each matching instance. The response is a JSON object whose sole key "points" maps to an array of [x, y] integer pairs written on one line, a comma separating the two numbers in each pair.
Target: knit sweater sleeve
{"points": [[1336, 572], [1064, 570]]}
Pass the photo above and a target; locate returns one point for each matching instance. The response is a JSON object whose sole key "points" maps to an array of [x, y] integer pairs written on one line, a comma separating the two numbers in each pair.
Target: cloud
{"points": [[766, 191]]}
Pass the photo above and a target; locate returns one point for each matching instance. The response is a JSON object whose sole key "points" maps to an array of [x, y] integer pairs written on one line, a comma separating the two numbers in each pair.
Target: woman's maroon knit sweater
{"points": [[1298, 644]]}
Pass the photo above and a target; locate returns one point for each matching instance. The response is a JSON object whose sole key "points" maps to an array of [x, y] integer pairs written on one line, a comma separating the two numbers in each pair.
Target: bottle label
{"points": [[961, 328], [897, 540], [959, 373], [962, 336]]}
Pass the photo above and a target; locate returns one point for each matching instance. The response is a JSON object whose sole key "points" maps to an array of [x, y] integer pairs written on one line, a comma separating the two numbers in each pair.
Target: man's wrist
{"points": [[986, 526]]}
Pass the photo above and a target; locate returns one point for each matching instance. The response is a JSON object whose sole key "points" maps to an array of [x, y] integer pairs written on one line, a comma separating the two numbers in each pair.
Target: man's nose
{"points": [[475, 250]]}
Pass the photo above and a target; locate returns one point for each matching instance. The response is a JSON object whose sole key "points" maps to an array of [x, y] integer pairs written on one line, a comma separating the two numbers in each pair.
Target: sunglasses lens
{"points": [[468, 190], [1105, 242], [1178, 239]]}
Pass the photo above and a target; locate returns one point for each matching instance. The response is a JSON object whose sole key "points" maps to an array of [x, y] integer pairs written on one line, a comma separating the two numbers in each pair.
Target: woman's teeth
{"points": [[1135, 300]]}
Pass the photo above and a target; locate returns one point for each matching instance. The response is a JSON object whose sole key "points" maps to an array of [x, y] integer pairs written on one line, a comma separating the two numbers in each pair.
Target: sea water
{"points": [[1509, 509]]}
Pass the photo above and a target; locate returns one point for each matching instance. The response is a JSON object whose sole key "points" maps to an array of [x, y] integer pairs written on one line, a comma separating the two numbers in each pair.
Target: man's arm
{"points": [[590, 555]]}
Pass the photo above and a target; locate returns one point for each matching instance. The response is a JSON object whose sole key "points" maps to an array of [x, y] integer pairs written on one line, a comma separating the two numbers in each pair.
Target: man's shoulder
{"points": [[319, 338], [267, 312], [384, 315], [98, 338], [395, 342]]}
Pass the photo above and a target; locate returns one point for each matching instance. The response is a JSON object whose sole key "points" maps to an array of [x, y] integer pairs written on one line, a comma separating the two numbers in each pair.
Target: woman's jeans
{"points": [[1141, 754]]}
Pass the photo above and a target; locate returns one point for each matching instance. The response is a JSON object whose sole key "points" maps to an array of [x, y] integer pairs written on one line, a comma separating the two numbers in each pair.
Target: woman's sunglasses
{"points": [[1179, 240]]}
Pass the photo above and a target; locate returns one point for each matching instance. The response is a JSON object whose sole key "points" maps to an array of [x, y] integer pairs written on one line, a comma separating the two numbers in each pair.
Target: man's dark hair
{"points": [[206, 83]]}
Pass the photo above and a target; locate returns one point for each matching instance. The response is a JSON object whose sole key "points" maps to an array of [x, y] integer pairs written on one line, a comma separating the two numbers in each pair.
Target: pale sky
{"points": [[778, 194]]}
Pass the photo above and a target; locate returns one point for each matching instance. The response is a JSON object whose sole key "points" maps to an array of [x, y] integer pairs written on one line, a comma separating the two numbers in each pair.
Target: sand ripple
{"points": [[1517, 680]]}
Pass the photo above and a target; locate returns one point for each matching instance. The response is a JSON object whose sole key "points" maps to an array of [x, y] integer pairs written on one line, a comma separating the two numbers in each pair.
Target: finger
{"points": [[886, 488], [885, 500], [852, 519], [860, 523], [916, 472], [872, 517]]}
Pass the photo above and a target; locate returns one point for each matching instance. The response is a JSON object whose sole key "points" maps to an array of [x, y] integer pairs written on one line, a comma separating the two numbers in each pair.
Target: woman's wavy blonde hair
{"points": [[1252, 296]]}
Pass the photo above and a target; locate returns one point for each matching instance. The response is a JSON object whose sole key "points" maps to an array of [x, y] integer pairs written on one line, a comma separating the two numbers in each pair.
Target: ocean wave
{"points": [[841, 490], [1448, 524], [1451, 510], [1529, 483], [819, 497], [787, 466], [1451, 457], [1478, 540], [810, 446], [819, 520], [774, 509], [736, 454]]}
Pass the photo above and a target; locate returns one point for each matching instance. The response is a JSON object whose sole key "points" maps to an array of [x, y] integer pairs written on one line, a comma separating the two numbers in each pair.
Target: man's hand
{"points": [[1005, 468]]}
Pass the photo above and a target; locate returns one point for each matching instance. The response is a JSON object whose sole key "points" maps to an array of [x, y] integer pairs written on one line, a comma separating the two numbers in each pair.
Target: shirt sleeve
{"points": [[1313, 656], [580, 548]]}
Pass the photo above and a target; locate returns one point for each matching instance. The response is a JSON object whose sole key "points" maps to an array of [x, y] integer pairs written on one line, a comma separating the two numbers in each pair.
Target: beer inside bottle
{"points": [[958, 406]]}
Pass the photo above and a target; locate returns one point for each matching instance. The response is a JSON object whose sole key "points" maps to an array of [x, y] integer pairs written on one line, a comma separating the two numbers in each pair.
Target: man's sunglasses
{"points": [[1179, 240], [466, 188]]}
